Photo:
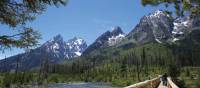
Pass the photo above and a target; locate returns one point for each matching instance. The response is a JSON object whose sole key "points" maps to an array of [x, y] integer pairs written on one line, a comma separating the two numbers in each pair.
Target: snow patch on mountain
{"points": [[79, 41], [180, 24], [61, 49], [107, 39], [158, 14], [175, 39], [78, 53], [55, 46], [115, 39], [157, 40], [77, 46]]}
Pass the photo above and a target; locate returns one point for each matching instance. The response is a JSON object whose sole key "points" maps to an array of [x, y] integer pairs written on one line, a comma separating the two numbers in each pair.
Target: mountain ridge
{"points": [[55, 49], [107, 39], [157, 27]]}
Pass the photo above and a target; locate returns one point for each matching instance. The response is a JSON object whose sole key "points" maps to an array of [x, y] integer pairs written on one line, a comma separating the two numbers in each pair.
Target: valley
{"points": [[159, 45]]}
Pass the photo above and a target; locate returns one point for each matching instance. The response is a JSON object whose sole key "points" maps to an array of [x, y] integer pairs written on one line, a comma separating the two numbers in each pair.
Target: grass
{"points": [[191, 77]]}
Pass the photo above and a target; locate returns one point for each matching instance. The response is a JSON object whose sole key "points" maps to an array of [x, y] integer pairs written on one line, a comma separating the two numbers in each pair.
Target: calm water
{"points": [[77, 85]]}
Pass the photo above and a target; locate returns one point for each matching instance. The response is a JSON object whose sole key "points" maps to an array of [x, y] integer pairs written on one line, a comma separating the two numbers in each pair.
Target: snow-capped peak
{"points": [[61, 49], [79, 41], [76, 40], [78, 45], [117, 36], [58, 38], [117, 30], [158, 14]]}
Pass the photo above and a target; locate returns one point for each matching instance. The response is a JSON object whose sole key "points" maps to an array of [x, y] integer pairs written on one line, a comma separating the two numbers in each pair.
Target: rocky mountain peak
{"points": [[185, 25], [76, 40], [61, 49], [56, 50], [110, 35], [158, 14], [117, 30], [107, 39], [156, 26], [180, 25], [77, 45], [58, 38]]}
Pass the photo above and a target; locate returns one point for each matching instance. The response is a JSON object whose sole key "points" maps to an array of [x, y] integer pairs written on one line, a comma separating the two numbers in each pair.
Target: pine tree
{"points": [[15, 14]]}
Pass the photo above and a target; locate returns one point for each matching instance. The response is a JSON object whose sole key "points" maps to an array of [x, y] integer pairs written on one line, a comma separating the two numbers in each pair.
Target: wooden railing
{"points": [[153, 83], [171, 84], [146, 84]]}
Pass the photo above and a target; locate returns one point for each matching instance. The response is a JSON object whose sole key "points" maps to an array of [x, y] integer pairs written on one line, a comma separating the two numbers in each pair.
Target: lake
{"points": [[77, 85]]}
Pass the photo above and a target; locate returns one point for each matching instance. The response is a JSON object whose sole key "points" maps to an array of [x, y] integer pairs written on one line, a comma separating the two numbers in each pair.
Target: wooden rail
{"points": [[170, 83], [146, 84], [154, 83]]}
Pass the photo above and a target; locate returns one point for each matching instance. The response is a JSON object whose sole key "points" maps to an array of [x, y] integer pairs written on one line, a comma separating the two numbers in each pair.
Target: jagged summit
{"points": [[161, 27], [77, 40], [65, 49], [156, 26], [109, 38], [117, 36], [77, 45], [158, 14], [56, 50], [184, 25], [58, 37], [117, 30]]}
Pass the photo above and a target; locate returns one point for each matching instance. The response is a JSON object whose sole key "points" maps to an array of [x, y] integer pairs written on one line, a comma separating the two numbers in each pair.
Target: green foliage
{"points": [[16, 79], [191, 81], [173, 71], [15, 14], [187, 72], [110, 73], [120, 67]]}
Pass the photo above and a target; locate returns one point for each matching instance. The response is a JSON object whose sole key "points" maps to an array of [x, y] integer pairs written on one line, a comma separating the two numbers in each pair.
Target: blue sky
{"points": [[85, 18]]}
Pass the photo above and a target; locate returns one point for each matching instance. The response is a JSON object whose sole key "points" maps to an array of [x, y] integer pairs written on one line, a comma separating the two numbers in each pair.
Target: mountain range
{"points": [[56, 50], [157, 27]]}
